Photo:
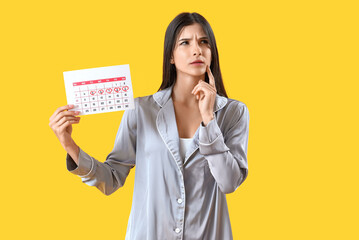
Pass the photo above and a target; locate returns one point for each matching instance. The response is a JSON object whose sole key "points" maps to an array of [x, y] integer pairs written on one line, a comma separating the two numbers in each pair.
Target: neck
{"points": [[182, 89]]}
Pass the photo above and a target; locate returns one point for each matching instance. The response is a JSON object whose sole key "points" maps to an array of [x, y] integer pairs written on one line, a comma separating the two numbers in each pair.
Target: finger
{"points": [[204, 93], [206, 90], [205, 86], [66, 119], [195, 87], [58, 129], [211, 77], [200, 82], [65, 114], [195, 91], [66, 124], [60, 109]]}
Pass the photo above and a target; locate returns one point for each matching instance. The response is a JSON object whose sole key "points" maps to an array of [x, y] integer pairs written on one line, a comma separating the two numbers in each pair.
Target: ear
{"points": [[172, 61]]}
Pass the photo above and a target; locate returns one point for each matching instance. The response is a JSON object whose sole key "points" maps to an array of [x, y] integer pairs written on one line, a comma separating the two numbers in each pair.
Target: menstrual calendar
{"points": [[99, 90]]}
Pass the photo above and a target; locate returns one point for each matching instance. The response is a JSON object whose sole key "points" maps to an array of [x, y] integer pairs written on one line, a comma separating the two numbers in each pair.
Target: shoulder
{"points": [[143, 107], [236, 106], [145, 102], [233, 113]]}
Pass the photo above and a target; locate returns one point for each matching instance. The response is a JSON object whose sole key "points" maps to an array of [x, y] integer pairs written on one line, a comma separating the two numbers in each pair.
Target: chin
{"points": [[198, 72], [195, 73]]}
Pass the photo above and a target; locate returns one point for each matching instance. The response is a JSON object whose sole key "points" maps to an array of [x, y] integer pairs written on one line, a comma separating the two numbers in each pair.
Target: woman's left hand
{"points": [[206, 96]]}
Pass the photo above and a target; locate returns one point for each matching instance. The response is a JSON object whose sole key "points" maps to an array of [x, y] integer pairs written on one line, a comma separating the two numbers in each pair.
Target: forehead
{"points": [[192, 30]]}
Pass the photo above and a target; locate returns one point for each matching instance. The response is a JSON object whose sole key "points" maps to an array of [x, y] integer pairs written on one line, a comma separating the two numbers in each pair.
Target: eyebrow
{"points": [[183, 39]]}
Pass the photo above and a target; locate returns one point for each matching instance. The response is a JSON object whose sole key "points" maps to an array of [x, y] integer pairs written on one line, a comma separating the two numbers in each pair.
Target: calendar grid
{"points": [[107, 96]]}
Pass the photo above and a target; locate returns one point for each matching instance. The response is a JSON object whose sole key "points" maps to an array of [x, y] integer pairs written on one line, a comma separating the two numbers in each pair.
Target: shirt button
{"points": [[179, 200], [177, 230]]}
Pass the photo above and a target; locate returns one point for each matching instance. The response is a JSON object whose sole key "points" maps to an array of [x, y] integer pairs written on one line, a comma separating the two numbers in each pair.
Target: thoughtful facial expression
{"points": [[192, 52]]}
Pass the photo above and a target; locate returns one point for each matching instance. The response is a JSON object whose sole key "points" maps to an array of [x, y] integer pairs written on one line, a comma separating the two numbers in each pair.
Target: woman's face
{"points": [[192, 52]]}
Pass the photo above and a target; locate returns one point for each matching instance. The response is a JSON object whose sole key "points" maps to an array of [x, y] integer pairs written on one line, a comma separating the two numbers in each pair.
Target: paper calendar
{"points": [[99, 90]]}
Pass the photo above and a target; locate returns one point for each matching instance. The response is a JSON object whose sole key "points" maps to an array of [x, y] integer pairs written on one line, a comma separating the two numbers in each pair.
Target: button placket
{"points": [[178, 228]]}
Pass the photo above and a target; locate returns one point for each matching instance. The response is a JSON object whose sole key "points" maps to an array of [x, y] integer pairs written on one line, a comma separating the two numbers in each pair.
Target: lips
{"points": [[197, 61]]}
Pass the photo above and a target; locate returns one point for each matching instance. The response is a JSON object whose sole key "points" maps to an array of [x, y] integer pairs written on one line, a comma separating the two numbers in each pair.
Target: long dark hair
{"points": [[173, 29]]}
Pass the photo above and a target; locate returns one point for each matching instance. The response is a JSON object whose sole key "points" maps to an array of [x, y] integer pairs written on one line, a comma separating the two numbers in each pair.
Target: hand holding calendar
{"points": [[90, 91]]}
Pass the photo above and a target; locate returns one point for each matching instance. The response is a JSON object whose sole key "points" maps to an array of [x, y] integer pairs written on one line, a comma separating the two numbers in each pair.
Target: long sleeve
{"points": [[110, 175], [227, 155]]}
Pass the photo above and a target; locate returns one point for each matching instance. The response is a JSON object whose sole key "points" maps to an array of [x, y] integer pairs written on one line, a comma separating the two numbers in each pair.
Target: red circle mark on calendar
{"points": [[116, 89], [125, 88], [100, 91], [109, 90], [93, 92]]}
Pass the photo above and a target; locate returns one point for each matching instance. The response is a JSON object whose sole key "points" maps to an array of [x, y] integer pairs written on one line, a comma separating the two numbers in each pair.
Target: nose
{"points": [[197, 49]]}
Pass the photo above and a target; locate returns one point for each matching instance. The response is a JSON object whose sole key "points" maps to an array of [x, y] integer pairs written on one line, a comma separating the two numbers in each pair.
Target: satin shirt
{"points": [[174, 199]]}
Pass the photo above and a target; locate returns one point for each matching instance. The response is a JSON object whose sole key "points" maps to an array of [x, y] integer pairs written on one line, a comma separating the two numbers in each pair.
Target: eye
{"points": [[184, 42], [204, 41]]}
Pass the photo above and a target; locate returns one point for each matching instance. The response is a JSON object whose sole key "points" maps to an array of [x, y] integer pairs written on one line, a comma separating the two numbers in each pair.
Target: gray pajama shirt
{"points": [[174, 199]]}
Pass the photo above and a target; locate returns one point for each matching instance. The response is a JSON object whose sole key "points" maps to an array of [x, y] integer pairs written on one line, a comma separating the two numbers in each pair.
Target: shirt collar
{"points": [[161, 98]]}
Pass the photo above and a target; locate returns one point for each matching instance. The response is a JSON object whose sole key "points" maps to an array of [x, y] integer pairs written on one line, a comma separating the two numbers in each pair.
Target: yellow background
{"points": [[293, 63]]}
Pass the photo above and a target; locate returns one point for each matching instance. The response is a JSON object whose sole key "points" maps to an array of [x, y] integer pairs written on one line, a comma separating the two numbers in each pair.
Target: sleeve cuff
{"points": [[211, 140], [86, 165]]}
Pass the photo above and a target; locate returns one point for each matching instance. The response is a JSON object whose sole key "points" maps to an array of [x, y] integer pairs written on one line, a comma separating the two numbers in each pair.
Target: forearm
{"points": [[107, 176], [73, 150]]}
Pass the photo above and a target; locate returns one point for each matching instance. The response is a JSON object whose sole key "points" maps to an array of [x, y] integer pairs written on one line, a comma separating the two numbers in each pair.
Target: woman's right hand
{"points": [[61, 123]]}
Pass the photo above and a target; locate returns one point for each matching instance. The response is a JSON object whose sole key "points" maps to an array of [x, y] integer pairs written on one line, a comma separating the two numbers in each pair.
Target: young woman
{"points": [[188, 142]]}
